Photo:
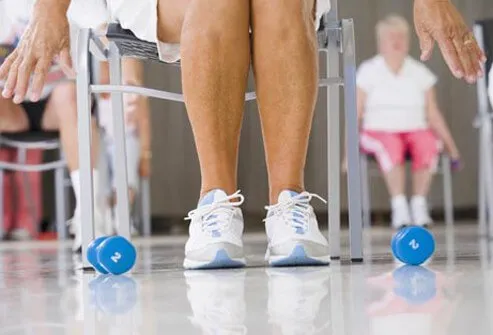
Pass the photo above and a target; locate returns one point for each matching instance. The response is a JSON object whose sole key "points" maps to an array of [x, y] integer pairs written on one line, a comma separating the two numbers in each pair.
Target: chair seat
{"points": [[31, 136]]}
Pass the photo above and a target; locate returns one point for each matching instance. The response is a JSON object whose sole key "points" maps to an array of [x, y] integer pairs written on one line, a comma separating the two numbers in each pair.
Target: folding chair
{"points": [[45, 141], [335, 37], [444, 169], [483, 31]]}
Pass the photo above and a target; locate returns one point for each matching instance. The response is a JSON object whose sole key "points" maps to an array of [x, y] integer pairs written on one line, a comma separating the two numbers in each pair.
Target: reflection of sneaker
{"points": [[20, 234], [295, 300], [76, 229], [215, 233], [419, 209], [217, 299], [400, 212], [293, 233]]}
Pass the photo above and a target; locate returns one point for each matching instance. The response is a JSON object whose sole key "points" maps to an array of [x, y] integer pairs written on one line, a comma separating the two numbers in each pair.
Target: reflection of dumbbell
{"points": [[416, 284], [115, 255], [413, 245], [114, 294]]}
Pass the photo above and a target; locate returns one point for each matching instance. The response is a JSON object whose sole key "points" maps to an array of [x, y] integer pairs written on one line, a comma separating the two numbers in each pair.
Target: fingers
{"points": [[451, 56], [426, 44], [23, 76], [40, 71], [9, 88]]}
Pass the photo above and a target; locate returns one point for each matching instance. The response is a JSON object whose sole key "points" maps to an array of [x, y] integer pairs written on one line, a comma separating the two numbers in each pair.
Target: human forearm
{"points": [[439, 126]]}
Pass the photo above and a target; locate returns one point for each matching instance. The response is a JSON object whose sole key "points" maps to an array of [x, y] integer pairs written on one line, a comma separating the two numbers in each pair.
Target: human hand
{"points": [[46, 38], [440, 21]]}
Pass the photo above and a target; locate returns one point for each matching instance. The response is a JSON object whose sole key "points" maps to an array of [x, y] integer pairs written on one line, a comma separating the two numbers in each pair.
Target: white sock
{"points": [[399, 201], [418, 199], [75, 177]]}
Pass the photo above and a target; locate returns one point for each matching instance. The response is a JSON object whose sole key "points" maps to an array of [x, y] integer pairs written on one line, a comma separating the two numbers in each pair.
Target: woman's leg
{"points": [[424, 148], [215, 49], [285, 62]]}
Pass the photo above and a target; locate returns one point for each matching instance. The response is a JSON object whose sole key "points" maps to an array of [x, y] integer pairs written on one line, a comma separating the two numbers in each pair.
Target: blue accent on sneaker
{"points": [[298, 257], [221, 261], [293, 193], [207, 199]]}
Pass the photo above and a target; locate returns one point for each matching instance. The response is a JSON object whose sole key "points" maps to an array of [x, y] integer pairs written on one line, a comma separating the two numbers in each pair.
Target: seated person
{"points": [[399, 115], [54, 109], [138, 137], [217, 42]]}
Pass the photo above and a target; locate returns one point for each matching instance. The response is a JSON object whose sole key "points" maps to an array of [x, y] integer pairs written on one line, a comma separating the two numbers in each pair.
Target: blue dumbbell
{"points": [[415, 284], [115, 255], [413, 245], [114, 294]]}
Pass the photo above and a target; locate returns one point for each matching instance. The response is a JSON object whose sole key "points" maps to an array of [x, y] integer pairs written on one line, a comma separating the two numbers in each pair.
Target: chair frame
{"points": [[338, 38], [444, 168]]}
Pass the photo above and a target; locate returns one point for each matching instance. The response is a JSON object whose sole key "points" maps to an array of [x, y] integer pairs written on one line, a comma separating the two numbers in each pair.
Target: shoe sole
{"points": [[221, 261], [298, 257]]}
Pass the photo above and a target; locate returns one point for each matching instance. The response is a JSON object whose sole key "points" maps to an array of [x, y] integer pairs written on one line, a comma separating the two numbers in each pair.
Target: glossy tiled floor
{"points": [[41, 293]]}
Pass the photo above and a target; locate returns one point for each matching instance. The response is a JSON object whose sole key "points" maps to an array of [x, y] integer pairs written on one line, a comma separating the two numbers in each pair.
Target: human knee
{"points": [[214, 27], [285, 18], [64, 101]]}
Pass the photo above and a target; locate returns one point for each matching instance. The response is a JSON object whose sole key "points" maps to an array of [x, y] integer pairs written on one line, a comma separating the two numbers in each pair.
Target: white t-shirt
{"points": [[14, 18], [490, 86], [395, 102]]}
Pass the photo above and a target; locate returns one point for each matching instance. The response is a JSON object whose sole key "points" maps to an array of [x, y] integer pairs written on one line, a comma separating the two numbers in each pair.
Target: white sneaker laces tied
{"points": [[218, 211], [296, 210]]}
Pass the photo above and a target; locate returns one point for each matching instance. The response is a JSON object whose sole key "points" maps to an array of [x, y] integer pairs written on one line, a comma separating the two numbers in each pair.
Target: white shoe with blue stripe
{"points": [[293, 233], [216, 231]]}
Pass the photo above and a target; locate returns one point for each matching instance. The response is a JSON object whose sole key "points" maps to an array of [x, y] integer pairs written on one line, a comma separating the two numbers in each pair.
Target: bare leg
{"points": [[61, 113], [12, 117], [422, 182], [286, 74], [214, 84], [395, 180]]}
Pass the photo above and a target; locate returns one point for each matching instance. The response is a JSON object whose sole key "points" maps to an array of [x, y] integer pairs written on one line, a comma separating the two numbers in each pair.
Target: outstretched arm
{"points": [[46, 37], [440, 21]]}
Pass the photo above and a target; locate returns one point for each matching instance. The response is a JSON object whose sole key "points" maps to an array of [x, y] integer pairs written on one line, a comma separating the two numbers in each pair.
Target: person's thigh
{"points": [[62, 103], [387, 148], [13, 118], [424, 148], [171, 14]]}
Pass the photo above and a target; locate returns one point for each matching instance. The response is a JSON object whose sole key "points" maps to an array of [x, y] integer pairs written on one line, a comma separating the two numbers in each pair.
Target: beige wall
{"points": [[175, 182]]}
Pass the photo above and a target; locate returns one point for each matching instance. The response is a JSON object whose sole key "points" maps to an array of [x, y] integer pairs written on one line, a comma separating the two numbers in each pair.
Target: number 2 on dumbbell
{"points": [[116, 257], [413, 244]]}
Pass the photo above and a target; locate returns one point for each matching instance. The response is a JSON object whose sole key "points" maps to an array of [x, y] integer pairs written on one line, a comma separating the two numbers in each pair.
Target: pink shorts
{"points": [[391, 149]]}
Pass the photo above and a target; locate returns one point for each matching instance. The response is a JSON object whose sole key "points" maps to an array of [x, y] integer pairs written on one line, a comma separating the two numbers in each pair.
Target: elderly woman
{"points": [[400, 118]]}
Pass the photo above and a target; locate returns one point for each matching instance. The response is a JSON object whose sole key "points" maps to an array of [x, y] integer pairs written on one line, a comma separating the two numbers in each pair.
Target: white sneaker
{"points": [[420, 212], [400, 212], [293, 233], [217, 300], [215, 231], [75, 228], [297, 299]]}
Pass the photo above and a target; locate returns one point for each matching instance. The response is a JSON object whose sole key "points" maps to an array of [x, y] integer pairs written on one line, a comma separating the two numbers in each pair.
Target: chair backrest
{"points": [[487, 26]]}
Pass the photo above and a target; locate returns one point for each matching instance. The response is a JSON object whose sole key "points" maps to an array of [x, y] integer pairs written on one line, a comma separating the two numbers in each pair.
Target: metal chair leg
{"points": [[352, 137], [122, 205], [146, 207], [84, 137], [447, 191], [365, 191]]}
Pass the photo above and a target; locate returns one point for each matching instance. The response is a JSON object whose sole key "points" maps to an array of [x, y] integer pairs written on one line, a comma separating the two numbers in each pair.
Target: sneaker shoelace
{"points": [[295, 211], [218, 211]]}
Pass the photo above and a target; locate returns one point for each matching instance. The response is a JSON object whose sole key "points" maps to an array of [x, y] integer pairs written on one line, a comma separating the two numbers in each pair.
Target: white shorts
{"points": [[140, 17]]}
